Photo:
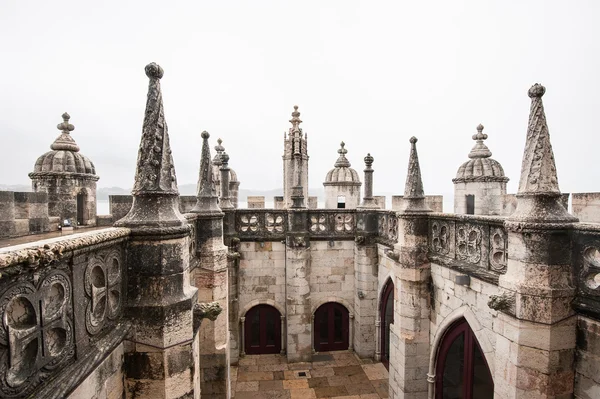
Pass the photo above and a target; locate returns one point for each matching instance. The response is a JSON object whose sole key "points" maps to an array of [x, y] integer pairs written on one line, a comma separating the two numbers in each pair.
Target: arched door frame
{"points": [[387, 290], [455, 324], [263, 310], [242, 332], [347, 339], [317, 304]]}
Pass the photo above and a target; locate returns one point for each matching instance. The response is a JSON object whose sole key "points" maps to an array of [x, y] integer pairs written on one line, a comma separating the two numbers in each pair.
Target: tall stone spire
{"points": [[538, 195], [538, 171], [155, 190], [414, 195], [206, 195], [155, 171]]}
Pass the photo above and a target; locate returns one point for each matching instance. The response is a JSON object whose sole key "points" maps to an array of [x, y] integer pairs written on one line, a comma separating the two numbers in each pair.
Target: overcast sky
{"points": [[370, 73]]}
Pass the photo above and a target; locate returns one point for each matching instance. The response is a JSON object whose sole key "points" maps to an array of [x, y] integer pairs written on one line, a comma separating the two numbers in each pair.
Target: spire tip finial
{"points": [[537, 90], [205, 135], [154, 71], [413, 140], [65, 126]]}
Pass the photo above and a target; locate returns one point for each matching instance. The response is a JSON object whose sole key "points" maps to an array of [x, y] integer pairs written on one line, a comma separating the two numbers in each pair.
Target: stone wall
{"points": [[62, 197], [586, 207], [488, 197], [23, 213], [587, 360], [434, 202], [107, 381]]}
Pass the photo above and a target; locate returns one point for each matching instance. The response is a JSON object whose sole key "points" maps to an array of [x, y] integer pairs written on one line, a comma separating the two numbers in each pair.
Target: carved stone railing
{"points": [[271, 224], [387, 227], [585, 259], [331, 223], [265, 224], [476, 244], [58, 299]]}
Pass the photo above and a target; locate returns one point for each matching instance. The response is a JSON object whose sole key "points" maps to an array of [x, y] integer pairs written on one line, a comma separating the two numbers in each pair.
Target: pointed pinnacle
{"points": [[414, 184], [538, 170]]}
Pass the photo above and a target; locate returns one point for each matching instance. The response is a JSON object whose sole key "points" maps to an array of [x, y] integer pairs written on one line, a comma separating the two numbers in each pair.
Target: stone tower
{"points": [[342, 184], [68, 177], [480, 183], [295, 160]]}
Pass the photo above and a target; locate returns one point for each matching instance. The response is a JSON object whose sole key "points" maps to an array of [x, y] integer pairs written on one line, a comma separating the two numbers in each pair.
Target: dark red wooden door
{"points": [[331, 327], [461, 370], [262, 330], [387, 317]]}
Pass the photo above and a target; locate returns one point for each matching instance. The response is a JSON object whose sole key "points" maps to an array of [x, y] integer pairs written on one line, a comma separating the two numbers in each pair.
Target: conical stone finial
{"points": [[65, 141], [155, 190], [538, 171], [220, 150], [342, 161], [538, 197], [155, 170], [414, 195], [206, 196]]}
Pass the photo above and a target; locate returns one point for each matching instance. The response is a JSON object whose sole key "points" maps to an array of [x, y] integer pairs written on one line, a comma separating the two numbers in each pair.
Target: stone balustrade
{"points": [[61, 301]]}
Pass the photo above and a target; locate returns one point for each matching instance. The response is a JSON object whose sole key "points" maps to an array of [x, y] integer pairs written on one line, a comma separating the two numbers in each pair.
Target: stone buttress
{"points": [[163, 361], [536, 325], [409, 335], [210, 276]]}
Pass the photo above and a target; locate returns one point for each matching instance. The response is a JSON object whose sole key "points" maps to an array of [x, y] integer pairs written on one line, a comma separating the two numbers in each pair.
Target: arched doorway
{"points": [[386, 317], [262, 330], [331, 328], [81, 208], [461, 369]]}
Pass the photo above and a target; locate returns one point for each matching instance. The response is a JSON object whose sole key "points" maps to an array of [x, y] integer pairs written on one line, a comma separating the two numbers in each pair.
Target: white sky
{"points": [[370, 73]]}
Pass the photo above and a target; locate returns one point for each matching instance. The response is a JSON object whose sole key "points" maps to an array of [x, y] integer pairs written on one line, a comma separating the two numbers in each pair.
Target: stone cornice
{"points": [[63, 175], [42, 253]]}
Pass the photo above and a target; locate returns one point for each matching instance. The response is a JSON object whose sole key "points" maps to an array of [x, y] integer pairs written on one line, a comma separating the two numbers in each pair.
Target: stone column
{"points": [[409, 335], [161, 301], [536, 326], [243, 336], [368, 200], [282, 318], [365, 277], [298, 306], [225, 201], [211, 278]]}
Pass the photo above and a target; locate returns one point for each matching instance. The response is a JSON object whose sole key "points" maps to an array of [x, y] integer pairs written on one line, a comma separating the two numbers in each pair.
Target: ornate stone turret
{"points": [[155, 192], [234, 183], [342, 184], [295, 162], [414, 195], [207, 197], [68, 177], [480, 183]]}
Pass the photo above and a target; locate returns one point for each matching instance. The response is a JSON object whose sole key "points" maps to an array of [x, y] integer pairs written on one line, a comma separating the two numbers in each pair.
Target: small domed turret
{"points": [[68, 177], [480, 182], [342, 183]]}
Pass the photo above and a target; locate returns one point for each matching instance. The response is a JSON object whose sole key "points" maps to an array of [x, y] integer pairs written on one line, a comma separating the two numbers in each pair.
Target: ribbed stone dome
{"points": [[342, 172], [65, 156], [480, 167]]}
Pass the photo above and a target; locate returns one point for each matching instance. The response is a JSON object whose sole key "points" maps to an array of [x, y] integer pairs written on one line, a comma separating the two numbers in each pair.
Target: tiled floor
{"points": [[339, 375]]}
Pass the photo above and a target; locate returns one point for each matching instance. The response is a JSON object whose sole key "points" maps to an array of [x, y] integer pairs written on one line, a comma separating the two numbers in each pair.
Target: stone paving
{"points": [[337, 375]]}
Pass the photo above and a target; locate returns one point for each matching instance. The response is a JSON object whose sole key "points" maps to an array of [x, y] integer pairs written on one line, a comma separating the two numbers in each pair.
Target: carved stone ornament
{"points": [[208, 310], [274, 223], [344, 222], [382, 225], [503, 303], [394, 255], [36, 336], [590, 272], [360, 240], [468, 243], [498, 249], [392, 228], [440, 237], [103, 290], [249, 223], [318, 223], [297, 242]]}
